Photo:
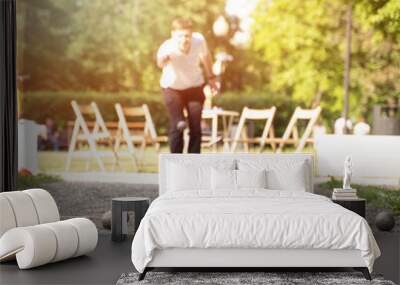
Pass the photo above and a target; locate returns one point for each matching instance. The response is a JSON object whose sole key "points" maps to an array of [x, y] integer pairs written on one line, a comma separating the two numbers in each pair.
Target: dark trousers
{"points": [[192, 100]]}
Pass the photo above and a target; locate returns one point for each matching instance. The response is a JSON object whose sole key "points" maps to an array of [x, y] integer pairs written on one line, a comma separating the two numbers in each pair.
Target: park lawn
{"points": [[54, 161]]}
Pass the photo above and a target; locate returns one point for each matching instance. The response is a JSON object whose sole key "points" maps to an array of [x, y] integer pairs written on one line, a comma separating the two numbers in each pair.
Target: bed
{"points": [[247, 210]]}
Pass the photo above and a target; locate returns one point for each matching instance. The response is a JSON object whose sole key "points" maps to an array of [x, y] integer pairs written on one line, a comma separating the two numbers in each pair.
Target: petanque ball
{"points": [[106, 220], [384, 221]]}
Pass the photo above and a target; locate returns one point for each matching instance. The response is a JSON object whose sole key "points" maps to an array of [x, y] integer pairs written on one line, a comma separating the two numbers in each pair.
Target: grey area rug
{"points": [[269, 278]]}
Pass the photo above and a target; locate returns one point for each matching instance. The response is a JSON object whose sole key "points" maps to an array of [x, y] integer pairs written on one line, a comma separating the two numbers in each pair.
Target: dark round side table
{"points": [[120, 208]]}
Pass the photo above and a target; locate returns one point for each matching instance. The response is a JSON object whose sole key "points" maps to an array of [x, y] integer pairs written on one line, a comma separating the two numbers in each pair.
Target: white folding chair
{"points": [[124, 134], [267, 134], [81, 132], [291, 134], [150, 129]]}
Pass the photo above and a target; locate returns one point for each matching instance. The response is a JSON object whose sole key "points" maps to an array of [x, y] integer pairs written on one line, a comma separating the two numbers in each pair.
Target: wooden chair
{"points": [[124, 134], [136, 133], [255, 115], [91, 135], [291, 134], [150, 130]]}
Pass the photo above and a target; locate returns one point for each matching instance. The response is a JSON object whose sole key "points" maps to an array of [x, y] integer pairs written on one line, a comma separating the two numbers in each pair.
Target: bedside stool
{"points": [[120, 208], [355, 205]]}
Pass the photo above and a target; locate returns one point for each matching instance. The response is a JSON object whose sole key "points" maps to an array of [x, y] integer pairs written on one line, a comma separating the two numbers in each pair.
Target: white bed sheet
{"points": [[256, 218]]}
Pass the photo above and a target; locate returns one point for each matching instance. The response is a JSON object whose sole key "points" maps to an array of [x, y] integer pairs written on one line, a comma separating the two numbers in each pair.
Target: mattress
{"points": [[252, 219]]}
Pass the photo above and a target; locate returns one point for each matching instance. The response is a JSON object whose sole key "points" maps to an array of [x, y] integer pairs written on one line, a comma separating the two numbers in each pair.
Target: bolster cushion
{"points": [[40, 244], [45, 205], [26, 208], [7, 220]]}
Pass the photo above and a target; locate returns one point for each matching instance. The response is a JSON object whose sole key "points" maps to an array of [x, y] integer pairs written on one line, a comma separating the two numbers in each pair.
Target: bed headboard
{"points": [[208, 157]]}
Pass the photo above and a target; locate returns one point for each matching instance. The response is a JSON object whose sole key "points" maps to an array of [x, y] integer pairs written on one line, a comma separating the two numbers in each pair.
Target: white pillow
{"points": [[282, 174], [251, 178], [293, 179], [229, 180], [223, 179], [183, 174], [182, 177]]}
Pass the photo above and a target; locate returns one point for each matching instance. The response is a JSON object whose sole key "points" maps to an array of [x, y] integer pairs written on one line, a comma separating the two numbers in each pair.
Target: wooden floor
{"points": [[103, 266]]}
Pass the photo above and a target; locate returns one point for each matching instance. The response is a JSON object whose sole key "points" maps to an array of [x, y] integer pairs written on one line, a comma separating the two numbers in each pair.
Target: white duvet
{"points": [[250, 219]]}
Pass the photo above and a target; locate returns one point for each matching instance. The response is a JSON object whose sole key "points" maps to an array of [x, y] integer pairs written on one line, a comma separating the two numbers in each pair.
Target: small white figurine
{"points": [[348, 171]]}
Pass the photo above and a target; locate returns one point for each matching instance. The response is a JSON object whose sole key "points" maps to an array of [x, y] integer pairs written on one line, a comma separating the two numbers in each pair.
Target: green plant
{"points": [[376, 196], [35, 181]]}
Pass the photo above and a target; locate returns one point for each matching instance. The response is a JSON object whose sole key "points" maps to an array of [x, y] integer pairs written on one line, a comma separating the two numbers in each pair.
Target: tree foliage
{"points": [[303, 43], [43, 35], [296, 53], [101, 45]]}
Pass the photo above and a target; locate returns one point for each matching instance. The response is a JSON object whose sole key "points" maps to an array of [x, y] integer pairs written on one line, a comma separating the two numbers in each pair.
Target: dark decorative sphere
{"points": [[385, 221], [106, 220]]}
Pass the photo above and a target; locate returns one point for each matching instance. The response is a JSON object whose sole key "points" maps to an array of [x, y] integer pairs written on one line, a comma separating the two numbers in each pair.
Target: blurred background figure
{"points": [[361, 128], [339, 126], [50, 139], [218, 68], [319, 129]]}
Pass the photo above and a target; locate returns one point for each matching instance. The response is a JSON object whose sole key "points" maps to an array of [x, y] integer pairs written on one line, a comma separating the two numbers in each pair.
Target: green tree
{"points": [[379, 69], [101, 45], [118, 40], [302, 44], [43, 30]]}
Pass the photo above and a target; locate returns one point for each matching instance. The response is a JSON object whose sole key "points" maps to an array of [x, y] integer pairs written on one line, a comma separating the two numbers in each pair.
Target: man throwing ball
{"points": [[182, 81]]}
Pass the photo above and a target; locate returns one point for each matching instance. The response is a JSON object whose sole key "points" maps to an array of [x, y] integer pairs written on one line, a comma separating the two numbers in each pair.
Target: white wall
{"points": [[376, 159]]}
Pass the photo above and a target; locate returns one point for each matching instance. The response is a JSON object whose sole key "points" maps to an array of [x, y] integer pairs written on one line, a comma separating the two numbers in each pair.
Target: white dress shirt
{"points": [[183, 71]]}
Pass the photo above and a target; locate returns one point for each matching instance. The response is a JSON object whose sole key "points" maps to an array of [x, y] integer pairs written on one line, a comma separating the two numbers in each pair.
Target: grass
{"points": [[35, 181], [54, 162], [376, 196]]}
